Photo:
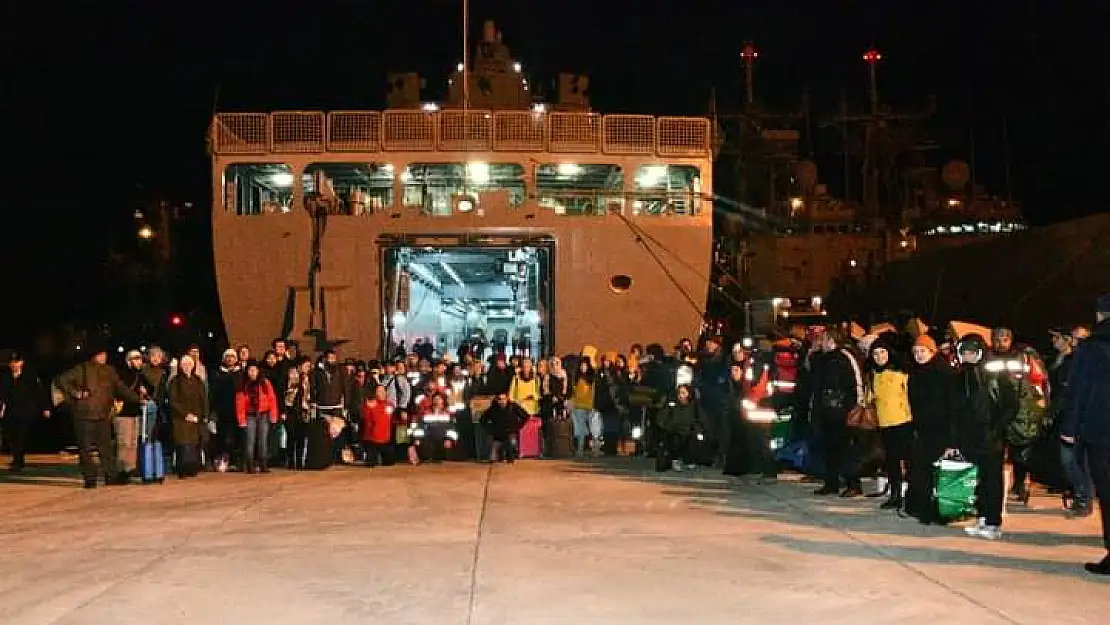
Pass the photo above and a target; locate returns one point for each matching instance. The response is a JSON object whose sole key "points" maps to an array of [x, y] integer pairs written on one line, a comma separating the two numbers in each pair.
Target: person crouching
{"points": [[502, 422], [681, 424]]}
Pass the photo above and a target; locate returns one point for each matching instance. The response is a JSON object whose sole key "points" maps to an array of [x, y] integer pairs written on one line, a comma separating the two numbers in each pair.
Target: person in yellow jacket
{"points": [[888, 390], [525, 388]]}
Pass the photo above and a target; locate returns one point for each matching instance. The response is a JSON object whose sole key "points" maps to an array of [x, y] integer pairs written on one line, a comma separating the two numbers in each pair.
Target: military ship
{"points": [[491, 215]]}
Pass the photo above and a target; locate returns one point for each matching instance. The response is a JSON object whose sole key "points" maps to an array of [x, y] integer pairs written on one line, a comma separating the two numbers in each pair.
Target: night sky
{"points": [[106, 103]]}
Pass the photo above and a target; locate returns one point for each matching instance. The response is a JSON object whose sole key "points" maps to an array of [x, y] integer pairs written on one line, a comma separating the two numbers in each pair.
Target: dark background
{"points": [[106, 104]]}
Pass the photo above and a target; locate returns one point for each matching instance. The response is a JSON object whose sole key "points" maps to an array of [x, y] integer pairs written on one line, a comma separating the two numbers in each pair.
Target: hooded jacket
{"points": [[932, 402]]}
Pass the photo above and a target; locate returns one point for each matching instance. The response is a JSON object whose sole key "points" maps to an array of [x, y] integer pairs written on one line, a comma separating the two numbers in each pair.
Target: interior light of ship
{"points": [[146, 232], [423, 272], [796, 203], [941, 230], [478, 173], [120, 349], [465, 205], [539, 107], [430, 107], [652, 175], [777, 301], [569, 169], [816, 301], [953, 202], [398, 318], [459, 67], [138, 214], [282, 180], [904, 243], [451, 272], [517, 67], [853, 262]]}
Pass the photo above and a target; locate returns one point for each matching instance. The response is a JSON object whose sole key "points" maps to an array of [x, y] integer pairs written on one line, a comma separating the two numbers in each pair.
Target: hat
{"points": [[926, 341], [131, 355], [1103, 304]]}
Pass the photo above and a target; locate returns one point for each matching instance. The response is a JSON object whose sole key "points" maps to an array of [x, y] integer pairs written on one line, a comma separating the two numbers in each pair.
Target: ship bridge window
{"points": [[358, 188], [258, 188], [667, 189], [432, 186], [586, 189]]}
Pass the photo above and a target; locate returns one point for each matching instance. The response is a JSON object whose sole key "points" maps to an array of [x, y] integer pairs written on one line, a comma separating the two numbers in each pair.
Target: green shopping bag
{"points": [[955, 489]]}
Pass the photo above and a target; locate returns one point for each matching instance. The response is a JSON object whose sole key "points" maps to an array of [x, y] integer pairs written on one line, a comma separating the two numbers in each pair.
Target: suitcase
{"points": [[529, 439], [562, 438], [152, 461]]}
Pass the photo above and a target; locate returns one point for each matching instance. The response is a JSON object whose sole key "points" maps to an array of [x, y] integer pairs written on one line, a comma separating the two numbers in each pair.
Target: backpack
{"points": [[1033, 417]]}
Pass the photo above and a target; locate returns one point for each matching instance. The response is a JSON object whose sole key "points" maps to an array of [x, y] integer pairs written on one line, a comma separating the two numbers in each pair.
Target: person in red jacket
{"points": [[256, 408], [377, 428]]}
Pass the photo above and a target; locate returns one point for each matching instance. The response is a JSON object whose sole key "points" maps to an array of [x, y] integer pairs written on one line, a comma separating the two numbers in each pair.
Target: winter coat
{"points": [[500, 422], [889, 392], [836, 383], [255, 398], [25, 397], [932, 389], [188, 395], [103, 386], [679, 418], [526, 393], [984, 407], [377, 421], [499, 380], [1087, 413]]}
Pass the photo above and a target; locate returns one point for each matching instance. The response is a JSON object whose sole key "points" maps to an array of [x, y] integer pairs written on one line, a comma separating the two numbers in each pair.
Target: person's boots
{"points": [[250, 468], [264, 466], [1099, 568], [894, 503]]}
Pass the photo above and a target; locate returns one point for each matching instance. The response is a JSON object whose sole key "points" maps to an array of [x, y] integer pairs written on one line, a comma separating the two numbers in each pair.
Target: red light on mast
{"points": [[176, 321], [748, 53], [872, 56]]}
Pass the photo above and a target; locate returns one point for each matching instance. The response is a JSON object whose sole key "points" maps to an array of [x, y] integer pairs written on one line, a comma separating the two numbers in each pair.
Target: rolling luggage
{"points": [[562, 438], [152, 461], [528, 440]]}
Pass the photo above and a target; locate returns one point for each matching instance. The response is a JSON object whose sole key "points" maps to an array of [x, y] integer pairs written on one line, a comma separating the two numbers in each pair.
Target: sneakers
{"points": [[982, 530]]}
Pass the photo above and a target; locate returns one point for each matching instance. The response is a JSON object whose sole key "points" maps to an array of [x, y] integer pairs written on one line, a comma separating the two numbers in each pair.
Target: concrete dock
{"points": [[536, 542]]}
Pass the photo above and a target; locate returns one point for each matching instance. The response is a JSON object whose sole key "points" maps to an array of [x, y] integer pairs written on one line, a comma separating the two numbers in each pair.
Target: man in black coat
{"points": [[1087, 416], [23, 398]]}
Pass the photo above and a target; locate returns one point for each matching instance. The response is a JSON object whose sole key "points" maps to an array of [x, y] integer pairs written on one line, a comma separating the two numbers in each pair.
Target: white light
{"points": [[853, 262], [652, 175], [465, 206], [120, 349], [517, 67], [430, 107], [282, 180], [398, 318], [816, 301], [637, 433], [778, 301], [904, 243], [478, 172], [77, 347], [531, 317], [146, 233], [459, 67], [453, 435], [569, 169], [953, 203], [211, 335], [701, 437], [138, 214], [749, 404], [762, 415], [684, 375], [539, 107], [797, 203], [747, 342]]}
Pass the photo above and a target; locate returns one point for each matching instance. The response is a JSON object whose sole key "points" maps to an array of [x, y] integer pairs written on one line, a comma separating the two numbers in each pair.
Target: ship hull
{"points": [[263, 268]]}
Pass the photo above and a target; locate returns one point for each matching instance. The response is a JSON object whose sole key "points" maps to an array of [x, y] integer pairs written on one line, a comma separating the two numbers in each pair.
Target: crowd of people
{"points": [[891, 404]]}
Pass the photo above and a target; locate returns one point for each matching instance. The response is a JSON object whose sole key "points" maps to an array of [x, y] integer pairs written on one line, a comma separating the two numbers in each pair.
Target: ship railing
{"points": [[406, 130]]}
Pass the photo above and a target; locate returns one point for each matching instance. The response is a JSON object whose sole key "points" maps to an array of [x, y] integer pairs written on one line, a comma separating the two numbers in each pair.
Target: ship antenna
{"points": [[466, 89]]}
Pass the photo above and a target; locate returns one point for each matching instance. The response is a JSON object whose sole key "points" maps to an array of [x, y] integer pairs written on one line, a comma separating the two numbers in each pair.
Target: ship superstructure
{"points": [[493, 216]]}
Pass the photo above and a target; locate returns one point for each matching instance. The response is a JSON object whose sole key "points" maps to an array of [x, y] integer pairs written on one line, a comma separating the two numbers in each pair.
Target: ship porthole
{"points": [[620, 283]]}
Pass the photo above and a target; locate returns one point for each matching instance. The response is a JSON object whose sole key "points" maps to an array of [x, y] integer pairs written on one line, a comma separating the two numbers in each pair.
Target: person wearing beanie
{"points": [[127, 418], [223, 385], [1086, 418], [931, 393], [91, 388]]}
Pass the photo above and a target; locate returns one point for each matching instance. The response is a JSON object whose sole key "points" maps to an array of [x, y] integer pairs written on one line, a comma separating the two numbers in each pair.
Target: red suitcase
{"points": [[529, 439]]}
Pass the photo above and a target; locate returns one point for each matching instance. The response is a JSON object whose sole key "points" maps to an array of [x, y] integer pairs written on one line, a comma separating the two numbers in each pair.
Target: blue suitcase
{"points": [[152, 462]]}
